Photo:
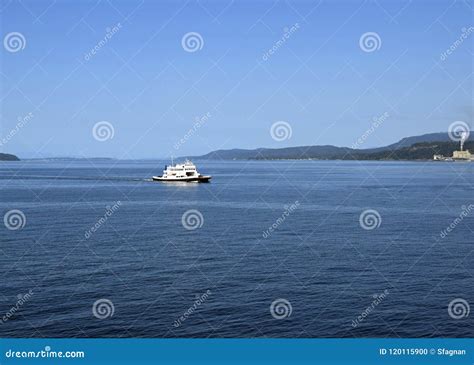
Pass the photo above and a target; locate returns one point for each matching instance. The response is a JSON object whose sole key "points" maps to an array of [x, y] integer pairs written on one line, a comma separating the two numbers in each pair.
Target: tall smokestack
{"points": [[463, 138]]}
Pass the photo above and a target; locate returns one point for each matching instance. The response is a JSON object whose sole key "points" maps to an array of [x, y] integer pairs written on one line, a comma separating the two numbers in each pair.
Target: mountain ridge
{"points": [[439, 141]]}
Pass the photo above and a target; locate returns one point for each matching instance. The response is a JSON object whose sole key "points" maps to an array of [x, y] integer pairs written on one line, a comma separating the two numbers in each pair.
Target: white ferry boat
{"points": [[185, 172]]}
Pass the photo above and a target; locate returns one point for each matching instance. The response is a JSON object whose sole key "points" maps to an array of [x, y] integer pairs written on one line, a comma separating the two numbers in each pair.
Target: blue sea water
{"points": [[104, 252]]}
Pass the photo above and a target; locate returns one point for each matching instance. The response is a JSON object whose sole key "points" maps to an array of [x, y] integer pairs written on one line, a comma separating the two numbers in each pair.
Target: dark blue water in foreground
{"points": [[220, 279]]}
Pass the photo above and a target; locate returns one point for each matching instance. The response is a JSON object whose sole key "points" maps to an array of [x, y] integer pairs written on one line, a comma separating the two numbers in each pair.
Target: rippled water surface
{"points": [[102, 233]]}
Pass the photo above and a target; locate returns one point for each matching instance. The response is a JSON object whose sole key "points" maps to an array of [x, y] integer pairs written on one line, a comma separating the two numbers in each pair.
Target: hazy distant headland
{"points": [[10, 157], [410, 148], [68, 159]]}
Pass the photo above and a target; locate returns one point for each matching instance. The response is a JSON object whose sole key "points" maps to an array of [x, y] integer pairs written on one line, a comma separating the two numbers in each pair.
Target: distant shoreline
{"points": [[417, 148], [93, 159]]}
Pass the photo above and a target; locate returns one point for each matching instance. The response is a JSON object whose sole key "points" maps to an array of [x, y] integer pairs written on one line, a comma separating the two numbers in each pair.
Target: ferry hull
{"points": [[200, 179]]}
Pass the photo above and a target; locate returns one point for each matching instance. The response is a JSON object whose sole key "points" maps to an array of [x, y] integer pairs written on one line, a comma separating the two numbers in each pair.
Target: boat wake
{"points": [[74, 178]]}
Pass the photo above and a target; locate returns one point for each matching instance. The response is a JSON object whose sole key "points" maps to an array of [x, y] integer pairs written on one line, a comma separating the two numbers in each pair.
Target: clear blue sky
{"points": [[150, 89]]}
